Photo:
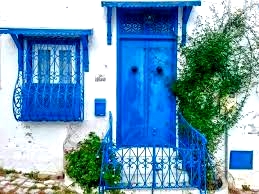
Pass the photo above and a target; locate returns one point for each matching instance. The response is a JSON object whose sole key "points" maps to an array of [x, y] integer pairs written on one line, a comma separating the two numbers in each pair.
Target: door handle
{"points": [[159, 70], [134, 69]]}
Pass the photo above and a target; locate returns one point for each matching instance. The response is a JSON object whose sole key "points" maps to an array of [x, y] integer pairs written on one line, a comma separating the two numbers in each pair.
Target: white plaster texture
{"points": [[30, 146], [245, 137]]}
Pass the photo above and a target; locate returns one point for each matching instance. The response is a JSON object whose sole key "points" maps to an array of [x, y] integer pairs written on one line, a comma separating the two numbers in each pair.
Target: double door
{"points": [[146, 113]]}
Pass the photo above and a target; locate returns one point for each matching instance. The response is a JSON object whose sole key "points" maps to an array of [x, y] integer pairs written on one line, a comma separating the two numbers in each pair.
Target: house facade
{"points": [[65, 65]]}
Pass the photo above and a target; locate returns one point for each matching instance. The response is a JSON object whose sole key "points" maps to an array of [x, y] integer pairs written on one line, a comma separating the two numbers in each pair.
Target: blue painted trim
{"points": [[20, 52], [46, 32], [78, 62], [85, 53], [28, 62], [49, 40], [16, 41], [151, 3], [150, 37], [109, 25], [186, 14]]}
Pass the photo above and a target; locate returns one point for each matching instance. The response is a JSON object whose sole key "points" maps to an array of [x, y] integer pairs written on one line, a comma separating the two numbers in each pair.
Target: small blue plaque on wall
{"points": [[100, 106], [241, 160]]}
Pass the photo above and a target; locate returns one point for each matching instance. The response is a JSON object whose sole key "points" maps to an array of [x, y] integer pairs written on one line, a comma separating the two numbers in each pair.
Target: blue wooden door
{"points": [[146, 106]]}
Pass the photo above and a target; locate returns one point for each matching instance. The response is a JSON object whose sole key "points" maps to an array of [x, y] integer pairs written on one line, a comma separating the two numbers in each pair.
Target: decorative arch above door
{"points": [[186, 6]]}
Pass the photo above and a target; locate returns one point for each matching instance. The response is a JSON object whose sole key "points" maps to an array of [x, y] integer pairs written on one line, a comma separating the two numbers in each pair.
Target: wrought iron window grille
{"points": [[51, 66], [50, 84]]}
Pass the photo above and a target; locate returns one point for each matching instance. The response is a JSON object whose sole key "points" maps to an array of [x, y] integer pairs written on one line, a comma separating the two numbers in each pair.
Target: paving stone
{"points": [[4, 182], [19, 184], [40, 185], [28, 184], [22, 190], [19, 181], [48, 191], [49, 186], [34, 191], [43, 176], [8, 177], [9, 188], [49, 182]]}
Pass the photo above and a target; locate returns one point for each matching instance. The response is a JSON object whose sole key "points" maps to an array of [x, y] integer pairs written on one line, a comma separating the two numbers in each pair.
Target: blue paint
{"points": [[47, 32], [193, 161], [109, 25], [46, 94], [144, 96], [100, 107], [41, 93], [156, 167], [154, 4], [85, 53], [241, 160], [20, 53], [44, 66], [163, 5], [186, 14], [65, 69]]}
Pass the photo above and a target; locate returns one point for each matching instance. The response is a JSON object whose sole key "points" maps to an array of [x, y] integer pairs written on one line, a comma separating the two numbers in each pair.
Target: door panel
{"points": [[161, 111], [132, 112], [146, 113]]}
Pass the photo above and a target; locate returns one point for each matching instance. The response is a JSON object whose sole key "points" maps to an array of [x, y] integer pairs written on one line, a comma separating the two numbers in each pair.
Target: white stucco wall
{"points": [[30, 146], [39, 146]]}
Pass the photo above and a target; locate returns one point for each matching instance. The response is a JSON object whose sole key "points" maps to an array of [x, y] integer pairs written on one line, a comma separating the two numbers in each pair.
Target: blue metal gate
{"points": [[156, 167]]}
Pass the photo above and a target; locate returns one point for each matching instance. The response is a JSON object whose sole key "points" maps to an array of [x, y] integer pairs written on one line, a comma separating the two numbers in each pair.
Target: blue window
{"points": [[52, 88], [65, 67], [51, 66], [44, 66]]}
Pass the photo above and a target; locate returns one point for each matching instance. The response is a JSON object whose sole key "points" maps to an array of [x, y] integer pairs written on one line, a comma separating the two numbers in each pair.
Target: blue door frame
{"points": [[146, 68]]}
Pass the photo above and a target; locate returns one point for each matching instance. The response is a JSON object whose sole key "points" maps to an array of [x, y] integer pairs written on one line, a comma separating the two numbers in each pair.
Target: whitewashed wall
{"points": [[30, 146], [39, 146]]}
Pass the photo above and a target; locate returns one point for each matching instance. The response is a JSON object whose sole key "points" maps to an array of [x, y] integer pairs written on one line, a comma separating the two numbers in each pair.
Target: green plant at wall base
{"points": [[84, 164], [219, 66], [112, 173]]}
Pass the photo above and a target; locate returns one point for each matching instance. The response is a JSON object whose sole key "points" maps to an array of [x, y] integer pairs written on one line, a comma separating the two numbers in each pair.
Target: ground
{"points": [[12, 182]]}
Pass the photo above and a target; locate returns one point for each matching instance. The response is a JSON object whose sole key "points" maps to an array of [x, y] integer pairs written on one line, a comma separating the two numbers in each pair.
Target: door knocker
{"points": [[134, 69], [159, 70]]}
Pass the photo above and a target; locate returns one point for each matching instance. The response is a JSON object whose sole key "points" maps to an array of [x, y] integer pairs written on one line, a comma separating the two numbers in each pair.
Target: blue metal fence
{"points": [[156, 167]]}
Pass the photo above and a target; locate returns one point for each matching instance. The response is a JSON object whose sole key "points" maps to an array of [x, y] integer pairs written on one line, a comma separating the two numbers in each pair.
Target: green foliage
{"points": [[112, 173], [218, 65], [84, 165]]}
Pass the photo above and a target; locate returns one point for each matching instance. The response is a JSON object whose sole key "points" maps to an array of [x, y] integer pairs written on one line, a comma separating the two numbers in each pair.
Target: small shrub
{"points": [[84, 164]]}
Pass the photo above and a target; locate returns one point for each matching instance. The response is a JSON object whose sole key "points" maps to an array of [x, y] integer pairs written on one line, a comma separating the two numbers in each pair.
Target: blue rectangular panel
{"points": [[100, 107], [241, 160]]}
